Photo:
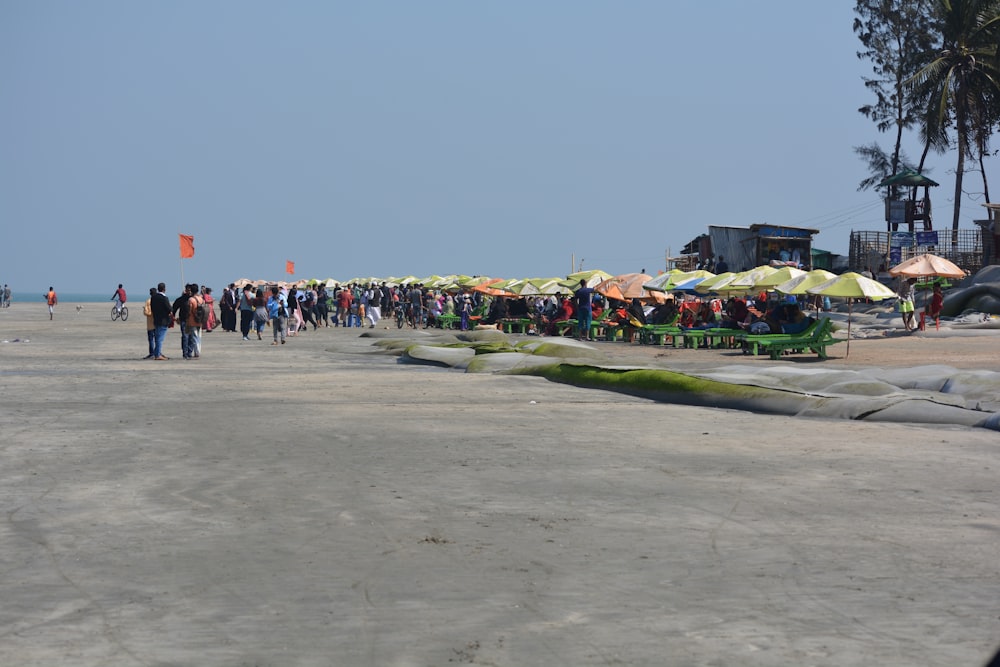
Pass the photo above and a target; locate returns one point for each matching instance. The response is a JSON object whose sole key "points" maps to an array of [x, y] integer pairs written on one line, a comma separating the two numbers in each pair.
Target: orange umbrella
{"points": [[926, 266], [629, 286], [485, 288]]}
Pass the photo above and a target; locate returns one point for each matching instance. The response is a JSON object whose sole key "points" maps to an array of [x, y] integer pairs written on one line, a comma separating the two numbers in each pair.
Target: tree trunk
{"points": [[960, 170]]}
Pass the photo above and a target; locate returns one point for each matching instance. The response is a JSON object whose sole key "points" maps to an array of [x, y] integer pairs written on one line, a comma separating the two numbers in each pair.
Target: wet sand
{"points": [[319, 504]]}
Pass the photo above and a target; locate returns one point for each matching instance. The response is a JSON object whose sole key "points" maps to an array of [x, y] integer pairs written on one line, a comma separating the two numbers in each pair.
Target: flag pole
{"points": [[181, 260]]}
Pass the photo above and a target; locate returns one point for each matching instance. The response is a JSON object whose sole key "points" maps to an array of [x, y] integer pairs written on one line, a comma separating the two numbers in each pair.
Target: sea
{"points": [[64, 297]]}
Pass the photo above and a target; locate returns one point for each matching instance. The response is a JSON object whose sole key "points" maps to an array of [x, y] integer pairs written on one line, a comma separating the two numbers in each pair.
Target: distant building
{"points": [[747, 247]]}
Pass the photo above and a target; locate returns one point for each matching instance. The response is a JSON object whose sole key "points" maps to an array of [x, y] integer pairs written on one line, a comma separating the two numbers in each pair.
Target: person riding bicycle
{"points": [[119, 298]]}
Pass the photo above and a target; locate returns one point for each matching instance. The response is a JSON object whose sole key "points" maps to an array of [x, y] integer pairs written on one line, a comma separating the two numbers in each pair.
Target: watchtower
{"points": [[909, 211]]}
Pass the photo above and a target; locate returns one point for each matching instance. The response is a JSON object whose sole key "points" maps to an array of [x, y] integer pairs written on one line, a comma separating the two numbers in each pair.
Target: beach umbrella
{"points": [[593, 278], [751, 278], [723, 285], [525, 288], [705, 286], [927, 266], [488, 289], [801, 284], [852, 286], [471, 281], [657, 283], [628, 286], [667, 282], [502, 284], [430, 281], [553, 286], [777, 277]]}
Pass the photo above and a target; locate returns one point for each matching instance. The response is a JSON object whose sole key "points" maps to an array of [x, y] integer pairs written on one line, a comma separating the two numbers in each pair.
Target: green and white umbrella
{"points": [[852, 286], [667, 282]]}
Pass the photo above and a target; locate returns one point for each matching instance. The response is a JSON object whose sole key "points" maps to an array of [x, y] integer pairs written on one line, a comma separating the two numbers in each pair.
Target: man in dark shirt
{"points": [[160, 305], [584, 310]]}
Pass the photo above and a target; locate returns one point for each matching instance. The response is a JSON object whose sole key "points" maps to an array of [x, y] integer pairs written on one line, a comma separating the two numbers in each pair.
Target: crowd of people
{"points": [[290, 311]]}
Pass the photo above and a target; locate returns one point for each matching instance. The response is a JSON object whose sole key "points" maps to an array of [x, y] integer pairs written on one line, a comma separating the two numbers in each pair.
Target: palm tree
{"points": [[962, 82]]}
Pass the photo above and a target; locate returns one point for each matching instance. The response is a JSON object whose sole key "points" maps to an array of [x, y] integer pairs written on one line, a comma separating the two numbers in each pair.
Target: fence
{"points": [[875, 250]]}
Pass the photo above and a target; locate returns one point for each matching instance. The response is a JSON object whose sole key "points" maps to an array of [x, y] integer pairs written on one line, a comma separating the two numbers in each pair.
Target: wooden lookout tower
{"points": [[911, 210]]}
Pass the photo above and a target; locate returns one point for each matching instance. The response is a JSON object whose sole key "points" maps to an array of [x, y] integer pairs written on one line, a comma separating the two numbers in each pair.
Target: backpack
{"points": [[200, 312]]}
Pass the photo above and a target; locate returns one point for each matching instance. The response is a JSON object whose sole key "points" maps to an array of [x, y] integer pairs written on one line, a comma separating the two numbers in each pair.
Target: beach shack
{"points": [[747, 247]]}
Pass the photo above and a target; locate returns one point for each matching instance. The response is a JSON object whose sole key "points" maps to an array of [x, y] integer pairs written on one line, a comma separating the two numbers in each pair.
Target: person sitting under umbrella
{"points": [[936, 303]]}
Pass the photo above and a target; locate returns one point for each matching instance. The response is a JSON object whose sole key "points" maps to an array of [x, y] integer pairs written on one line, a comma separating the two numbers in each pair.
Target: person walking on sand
{"points": [[194, 324], [294, 317], [246, 311], [52, 300], [147, 310], [181, 311], [259, 312], [211, 322], [162, 318], [227, 308], [277, 311], [905, 294]]}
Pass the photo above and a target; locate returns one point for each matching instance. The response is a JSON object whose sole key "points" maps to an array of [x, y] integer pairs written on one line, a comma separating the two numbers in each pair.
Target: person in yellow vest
{"points": [[52, 300]]}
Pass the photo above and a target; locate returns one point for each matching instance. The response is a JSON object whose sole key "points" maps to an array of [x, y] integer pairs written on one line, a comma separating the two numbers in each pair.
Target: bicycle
{"points": [[117, 312]]}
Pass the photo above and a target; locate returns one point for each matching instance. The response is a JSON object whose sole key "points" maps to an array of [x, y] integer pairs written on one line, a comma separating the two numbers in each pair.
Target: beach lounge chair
{"points": [[449, 321], [712, 337], [816, 338], [657, 334]]}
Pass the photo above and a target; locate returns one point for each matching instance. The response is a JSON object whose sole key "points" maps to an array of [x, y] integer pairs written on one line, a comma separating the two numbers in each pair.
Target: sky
{"points": [[391, 138]]}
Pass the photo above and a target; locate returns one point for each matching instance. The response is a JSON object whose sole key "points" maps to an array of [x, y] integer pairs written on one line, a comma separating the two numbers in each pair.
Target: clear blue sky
{"points": [[393, 138]]}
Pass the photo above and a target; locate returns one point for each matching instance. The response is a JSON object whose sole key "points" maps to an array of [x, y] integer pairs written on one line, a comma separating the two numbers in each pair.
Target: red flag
{"points": [[187, 245], [289, 267]]}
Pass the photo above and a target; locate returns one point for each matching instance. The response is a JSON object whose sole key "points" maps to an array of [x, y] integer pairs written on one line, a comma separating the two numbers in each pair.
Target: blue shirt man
{"points": [[584, 310]]}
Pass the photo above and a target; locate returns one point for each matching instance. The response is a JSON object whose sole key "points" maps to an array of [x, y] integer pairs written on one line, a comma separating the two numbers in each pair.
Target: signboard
{"points": [[897, 212], [900, 239], [927, 238]]}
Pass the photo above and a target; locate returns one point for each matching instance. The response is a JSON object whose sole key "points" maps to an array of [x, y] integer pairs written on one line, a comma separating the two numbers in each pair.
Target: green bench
{"points": [[713, 337], [516, 325], [815, 338]]}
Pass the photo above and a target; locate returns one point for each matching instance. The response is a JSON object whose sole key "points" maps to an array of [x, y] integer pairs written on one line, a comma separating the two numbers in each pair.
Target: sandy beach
{"points": [[318, 503]]}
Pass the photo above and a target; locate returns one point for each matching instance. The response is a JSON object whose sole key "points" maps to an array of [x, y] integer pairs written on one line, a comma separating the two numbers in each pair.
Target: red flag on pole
{"points": [[187, 245], [290, 267]]}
